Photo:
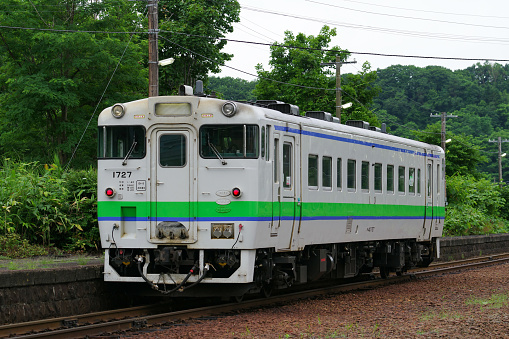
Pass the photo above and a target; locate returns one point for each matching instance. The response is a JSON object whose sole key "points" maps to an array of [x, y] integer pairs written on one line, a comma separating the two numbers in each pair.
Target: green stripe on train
{"points": [[259, 209]]}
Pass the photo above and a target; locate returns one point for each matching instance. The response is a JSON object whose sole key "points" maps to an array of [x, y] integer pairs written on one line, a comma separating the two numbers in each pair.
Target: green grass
{"points": [[493, 302]]}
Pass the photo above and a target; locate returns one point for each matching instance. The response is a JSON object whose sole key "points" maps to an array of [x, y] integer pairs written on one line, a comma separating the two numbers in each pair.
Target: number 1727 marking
{"points": [[123, 175]]}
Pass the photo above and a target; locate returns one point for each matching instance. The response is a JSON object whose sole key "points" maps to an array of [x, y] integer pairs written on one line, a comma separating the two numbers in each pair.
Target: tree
{"points": [[184, 26], [53, 74], [297, 76], [462, 155]]}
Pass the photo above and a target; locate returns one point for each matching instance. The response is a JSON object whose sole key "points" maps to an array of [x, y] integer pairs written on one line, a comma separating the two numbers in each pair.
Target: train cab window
{"points": [[287, 165], [118, 142], [327, 173], [378, 177], [229, 141], [313, 171], [351, 175], [365, 176], [172, 150], [418, 181], [390, 178], [339, 178], [401, 179], [411, 180]]}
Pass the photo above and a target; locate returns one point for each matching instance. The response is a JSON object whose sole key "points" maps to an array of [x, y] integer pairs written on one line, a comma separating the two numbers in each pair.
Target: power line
{"points": [[261, 43], [408, 17], [428, 11], [381, 29]]}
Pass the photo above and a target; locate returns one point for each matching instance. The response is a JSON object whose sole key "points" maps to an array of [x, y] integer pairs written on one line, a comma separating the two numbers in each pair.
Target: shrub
{"points": [[49, 206]]}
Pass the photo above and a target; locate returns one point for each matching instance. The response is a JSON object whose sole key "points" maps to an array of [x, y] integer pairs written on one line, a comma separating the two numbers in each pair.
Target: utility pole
{"points": [[500, 155], [338, 64], [153, 66], [442, 117]]}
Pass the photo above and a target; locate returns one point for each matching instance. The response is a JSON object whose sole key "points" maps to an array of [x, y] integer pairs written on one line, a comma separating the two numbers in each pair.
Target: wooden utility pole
{"points": [[338, 64], [153, 66], [500, 155], [442, 117]]}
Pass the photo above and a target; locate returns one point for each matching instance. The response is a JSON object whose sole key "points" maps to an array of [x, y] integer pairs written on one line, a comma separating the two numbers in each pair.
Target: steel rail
{"points": [[141, 320]]}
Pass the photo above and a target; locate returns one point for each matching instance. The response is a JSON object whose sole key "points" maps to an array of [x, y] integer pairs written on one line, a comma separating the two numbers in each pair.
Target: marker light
{"points": [[236, 192], [110, 192], [229, 109], [118, 111]]}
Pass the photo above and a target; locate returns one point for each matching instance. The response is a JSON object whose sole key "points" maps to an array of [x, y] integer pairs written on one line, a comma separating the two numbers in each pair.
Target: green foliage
{"points": [[51, 81], [12, 246], [183, 25], [228, 88], [48, 206], [475, 207]]}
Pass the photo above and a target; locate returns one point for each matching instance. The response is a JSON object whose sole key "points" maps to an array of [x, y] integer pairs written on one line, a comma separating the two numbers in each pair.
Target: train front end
{"points": [[159, 224]]}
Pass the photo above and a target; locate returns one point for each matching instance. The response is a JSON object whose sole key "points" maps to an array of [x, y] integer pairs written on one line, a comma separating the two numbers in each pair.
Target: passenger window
{"points": [[429, 180], [313, 171], [401, 179], [287, 165], [351, 175], [378, 177], [263, 142], [390, 178], [438, 178], [418, 181], [365, 176], [267, 154], [339, 169], [172, 150], [327, 172], [276, 160], [411, 180]]}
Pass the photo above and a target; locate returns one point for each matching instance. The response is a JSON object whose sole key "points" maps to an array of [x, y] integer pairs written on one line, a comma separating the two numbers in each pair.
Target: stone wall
{"points": [[51, 293], [457, 248]]}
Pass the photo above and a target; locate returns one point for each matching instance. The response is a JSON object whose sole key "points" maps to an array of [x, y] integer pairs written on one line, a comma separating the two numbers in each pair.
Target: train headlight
{"points": [[229, 109], [110, 192], [118, 111], [236, 192]]}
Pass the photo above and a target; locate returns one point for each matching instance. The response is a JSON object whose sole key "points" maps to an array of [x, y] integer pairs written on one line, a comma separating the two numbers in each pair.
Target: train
{"points": [[199, 196]]}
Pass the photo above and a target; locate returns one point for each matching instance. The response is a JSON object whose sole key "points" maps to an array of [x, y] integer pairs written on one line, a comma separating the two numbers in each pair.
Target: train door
{"points": [[172, 183], [285, 195], [430, 198]]}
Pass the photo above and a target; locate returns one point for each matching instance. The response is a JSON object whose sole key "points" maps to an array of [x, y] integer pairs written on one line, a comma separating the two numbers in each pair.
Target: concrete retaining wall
{"points": [[60, 292], [457, 248]]}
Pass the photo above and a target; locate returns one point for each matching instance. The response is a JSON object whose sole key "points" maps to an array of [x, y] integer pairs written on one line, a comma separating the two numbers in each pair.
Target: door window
{"points": [[172, 150]]}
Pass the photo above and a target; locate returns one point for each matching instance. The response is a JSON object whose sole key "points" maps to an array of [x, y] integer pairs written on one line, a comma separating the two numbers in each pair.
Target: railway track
{"points": [[96, 324]]}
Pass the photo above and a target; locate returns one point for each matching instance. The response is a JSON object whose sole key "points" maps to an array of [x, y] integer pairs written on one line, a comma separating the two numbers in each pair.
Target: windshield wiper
{"points": [[216, 152], [129, 153]]}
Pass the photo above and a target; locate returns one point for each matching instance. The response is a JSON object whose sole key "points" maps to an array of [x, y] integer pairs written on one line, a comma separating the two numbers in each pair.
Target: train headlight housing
{"points": [[236, 192], [229, 109], [110, 192], [118, 111]]}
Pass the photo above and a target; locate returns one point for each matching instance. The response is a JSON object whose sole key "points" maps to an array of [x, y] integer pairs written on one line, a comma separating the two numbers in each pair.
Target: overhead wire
{"points": [[408, 17]]}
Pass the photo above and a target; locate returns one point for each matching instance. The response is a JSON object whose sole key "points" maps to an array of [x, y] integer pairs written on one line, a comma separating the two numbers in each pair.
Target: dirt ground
{"points": [[470, 304]]}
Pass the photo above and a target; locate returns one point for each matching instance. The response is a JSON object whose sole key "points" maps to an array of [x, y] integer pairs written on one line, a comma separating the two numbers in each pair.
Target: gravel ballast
{"points": [[470, 304]]}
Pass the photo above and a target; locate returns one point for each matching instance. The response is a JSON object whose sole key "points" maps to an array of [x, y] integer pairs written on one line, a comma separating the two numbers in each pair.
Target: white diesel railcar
{"points": [[200, 196]]}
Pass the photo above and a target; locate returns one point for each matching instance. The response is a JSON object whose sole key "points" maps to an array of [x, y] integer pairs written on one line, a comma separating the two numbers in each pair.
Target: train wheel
{"points": [[384, 272]]}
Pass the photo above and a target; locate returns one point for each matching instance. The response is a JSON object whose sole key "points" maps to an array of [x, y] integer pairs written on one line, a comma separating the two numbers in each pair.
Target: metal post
{"points": [[338, 64]]}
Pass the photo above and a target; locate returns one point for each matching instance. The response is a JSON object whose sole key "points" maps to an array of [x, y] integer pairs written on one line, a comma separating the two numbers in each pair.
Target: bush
{"points": [[12, 246], [49, 206], [475, 206]]}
